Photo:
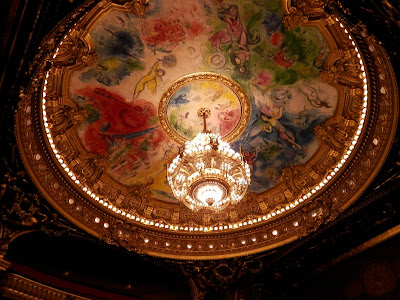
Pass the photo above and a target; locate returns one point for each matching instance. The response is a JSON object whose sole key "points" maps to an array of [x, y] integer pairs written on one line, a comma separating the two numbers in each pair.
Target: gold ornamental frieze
{"points": [[116, 93]]}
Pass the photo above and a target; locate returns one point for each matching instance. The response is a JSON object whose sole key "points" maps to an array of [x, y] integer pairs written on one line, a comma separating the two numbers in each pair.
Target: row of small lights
{"points": [[171, 227], [254, 239]]}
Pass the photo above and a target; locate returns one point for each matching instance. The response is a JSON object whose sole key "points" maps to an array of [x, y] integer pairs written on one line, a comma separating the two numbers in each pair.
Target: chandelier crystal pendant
{"points": [[207, 173]]}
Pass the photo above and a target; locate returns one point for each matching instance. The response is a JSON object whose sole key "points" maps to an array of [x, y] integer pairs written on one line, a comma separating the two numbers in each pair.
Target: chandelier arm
{"points": [[193, 167], [212, 162]]}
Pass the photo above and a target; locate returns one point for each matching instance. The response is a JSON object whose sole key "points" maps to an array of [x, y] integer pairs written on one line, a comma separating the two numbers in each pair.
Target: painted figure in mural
{"points": [[301, 118], [151, 81], [235, 34], [228, 119], [120, 131], [313, 96], [271, 108], [181, 99]]}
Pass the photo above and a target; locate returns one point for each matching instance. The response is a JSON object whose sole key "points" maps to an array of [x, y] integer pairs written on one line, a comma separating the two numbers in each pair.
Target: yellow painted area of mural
{"points": [[219, 90], [221, 100]]}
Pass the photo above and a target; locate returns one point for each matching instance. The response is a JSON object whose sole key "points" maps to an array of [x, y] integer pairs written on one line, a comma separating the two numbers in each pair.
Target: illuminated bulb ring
{"points": [[222, 148]]}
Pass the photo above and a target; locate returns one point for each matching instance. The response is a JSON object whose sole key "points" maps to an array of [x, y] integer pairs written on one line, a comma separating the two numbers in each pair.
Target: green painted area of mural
{"points": [[284, 77], [93, 114], [299, 43], [275, 5], [271, 151]]}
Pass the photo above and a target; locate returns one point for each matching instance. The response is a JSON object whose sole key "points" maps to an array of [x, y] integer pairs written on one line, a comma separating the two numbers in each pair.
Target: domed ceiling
{"points": [[118, 88]]}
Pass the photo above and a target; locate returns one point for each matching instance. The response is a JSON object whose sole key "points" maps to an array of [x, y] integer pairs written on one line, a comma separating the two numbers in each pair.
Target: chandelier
{"points": [[207, 173]]}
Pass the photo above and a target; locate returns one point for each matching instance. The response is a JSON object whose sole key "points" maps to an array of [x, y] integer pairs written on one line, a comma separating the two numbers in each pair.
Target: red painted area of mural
{"points": [[228, 120], [276, 39], [164, 33], [119, 122], [167, 33], [196, 29], [280, 59], [263, 78]]}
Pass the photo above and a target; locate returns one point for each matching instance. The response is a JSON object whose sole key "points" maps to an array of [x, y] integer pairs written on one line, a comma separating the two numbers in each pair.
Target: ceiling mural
{"points": [[139, 59], [287, 84]]}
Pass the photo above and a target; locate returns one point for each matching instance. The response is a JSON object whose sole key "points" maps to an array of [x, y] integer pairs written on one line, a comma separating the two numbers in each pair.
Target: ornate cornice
{"points": [[129, 216], [14, 286]]}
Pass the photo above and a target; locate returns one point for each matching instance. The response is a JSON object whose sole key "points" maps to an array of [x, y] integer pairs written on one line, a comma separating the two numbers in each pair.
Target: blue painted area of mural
{"points": [[119, 50], [279, 136]]}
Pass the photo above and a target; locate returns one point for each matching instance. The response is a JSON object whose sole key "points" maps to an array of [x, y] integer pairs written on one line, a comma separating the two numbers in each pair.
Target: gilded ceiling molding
{"points": [[24, 211], [51, 122], [18, 287], [299, 13], [138, 7], [220, 275]]}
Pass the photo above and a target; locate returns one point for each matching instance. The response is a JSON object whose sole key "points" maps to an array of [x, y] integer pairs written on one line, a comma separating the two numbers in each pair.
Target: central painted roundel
{"points": [[227, 101]]}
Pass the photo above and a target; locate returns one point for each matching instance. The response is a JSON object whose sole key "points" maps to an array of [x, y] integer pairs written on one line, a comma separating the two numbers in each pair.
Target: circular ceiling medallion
{"points": [[311, 102], [226, 99]]}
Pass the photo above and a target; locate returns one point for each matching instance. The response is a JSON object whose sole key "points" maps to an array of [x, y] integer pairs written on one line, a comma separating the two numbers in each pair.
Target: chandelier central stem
{"points": [[204, 113]]}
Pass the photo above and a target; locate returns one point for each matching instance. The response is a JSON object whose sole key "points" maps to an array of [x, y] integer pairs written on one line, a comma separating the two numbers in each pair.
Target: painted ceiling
{"points": [[286, 83], [138, 61]]}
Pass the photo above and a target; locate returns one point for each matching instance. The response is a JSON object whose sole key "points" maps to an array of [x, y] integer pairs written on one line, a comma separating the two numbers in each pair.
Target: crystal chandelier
{"points": [[207, 173]]}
